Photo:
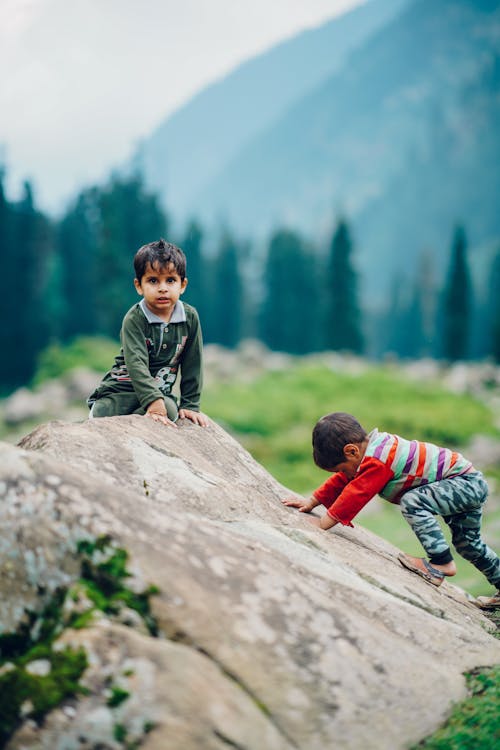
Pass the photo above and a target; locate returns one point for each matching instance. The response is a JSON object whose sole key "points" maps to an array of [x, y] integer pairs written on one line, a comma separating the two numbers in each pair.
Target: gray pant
{"points": [[459, 501], [127, 403]]}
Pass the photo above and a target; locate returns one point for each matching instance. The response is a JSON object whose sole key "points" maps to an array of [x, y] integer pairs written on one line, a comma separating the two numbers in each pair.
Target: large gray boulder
{"points": [[271, 633]]}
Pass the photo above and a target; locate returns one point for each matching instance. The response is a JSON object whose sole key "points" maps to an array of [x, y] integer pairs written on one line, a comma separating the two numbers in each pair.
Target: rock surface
{"points": [[272, 633]]}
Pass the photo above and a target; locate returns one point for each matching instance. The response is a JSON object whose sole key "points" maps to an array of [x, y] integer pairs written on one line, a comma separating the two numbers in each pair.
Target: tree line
{"points": [[73, 276]]}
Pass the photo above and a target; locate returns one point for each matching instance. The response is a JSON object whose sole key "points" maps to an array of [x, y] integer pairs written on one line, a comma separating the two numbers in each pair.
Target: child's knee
{"points": [[116, 404], [103, 407]]}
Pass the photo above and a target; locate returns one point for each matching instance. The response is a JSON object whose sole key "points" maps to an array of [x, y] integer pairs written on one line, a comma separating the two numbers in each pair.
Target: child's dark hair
{"points": [[159, 254], [331, 434]]}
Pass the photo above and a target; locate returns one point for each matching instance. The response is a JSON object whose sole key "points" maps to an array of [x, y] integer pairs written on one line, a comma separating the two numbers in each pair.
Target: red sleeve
{"points": [[331, 489], [371, 477]]}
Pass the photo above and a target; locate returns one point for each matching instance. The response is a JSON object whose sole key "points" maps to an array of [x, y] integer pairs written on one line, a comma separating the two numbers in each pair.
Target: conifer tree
{"points": [[9, 297], [493, 309], [416, 324], [33, 247], [128, 218], [197, 268], [225, 300], [342, 330], [288, 318], [77, 246], [457, 301], [391, 333]]}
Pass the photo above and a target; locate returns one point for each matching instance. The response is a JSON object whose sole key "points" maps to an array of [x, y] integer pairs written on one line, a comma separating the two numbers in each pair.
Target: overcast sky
{"points": [[82, 81]]}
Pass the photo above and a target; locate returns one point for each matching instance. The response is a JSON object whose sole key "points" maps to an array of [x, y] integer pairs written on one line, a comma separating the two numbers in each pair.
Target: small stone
{"points": [[26, 708], [53, 480], [7, 667], [39, 667]]}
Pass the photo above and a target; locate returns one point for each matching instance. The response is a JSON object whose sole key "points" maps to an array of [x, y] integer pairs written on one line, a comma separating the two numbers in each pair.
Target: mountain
{"points": [[187, 152], [403, 139]]}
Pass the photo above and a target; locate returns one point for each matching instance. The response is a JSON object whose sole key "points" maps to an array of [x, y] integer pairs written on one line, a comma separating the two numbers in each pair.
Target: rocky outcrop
{"points": [[268, 633]]}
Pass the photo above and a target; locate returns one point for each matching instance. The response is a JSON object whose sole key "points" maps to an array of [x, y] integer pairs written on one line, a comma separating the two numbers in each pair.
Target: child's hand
{"points": [[157, 412], [195, 416], [304, 506]]}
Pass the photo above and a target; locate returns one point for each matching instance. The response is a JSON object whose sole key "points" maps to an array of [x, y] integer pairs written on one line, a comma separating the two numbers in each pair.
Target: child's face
{"points": [[161, 288]]}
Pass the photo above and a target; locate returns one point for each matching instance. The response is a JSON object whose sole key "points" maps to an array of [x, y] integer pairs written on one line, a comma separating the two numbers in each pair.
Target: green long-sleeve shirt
{"points": [[152, 352]]}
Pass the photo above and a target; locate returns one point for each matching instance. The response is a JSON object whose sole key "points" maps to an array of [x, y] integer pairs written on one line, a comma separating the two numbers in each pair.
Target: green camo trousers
{"points": [[459, 501]]}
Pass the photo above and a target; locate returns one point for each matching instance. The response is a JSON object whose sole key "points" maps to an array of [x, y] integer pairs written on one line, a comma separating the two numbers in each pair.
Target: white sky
{"points": [[82, 81]]}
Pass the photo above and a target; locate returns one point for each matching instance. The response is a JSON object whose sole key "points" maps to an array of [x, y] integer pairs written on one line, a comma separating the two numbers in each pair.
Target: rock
{"points": [[79, 383], [484, 452], [66, 395], [272, 633], [24, 405], [38, 667]]}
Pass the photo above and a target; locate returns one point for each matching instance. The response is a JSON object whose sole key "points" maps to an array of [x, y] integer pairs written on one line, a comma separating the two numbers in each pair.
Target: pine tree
{"points": [[77, 246], [9, 298], [391, 333], [416, 322], [288, 317], [493, 308], [427, 292], [33, 244], [342, 329], [128, 218], [457, 301], [224, 320], [197, 268]]}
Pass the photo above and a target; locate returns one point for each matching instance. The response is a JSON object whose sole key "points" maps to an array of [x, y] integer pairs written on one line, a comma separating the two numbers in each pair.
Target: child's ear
{"points": [[351, 450], [184, 284], [138, 287]]}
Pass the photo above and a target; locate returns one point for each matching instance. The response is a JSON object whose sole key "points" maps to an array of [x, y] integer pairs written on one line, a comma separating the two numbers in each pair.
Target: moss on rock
{"points": [[101, 589]]}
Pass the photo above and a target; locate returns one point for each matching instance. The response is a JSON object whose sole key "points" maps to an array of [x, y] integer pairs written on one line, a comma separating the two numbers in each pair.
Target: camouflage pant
{"points": [[459, 501]]}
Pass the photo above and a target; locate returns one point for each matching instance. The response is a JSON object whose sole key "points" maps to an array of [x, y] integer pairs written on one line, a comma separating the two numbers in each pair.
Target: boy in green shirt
{"points": [[159, 335]]}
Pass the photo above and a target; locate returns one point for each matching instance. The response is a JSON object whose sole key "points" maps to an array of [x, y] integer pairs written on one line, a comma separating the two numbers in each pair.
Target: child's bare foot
{"points": [[432, 573], [448, 569]]}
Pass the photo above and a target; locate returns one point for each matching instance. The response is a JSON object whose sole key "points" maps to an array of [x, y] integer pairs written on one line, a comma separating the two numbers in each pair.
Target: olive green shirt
{"points": [[152, 352]]}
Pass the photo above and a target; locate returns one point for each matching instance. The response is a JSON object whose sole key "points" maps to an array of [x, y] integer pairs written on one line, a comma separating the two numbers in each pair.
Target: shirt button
{"points": [[164, 346]]}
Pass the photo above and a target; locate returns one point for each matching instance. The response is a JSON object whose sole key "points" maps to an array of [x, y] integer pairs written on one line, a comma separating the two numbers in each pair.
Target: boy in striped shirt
{"points": [[424, 480]]}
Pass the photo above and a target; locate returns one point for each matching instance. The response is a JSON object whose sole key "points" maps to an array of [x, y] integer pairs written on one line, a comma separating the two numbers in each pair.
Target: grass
{"points": [[474, 723], [33, 695], [96, 353], [274, 414]]}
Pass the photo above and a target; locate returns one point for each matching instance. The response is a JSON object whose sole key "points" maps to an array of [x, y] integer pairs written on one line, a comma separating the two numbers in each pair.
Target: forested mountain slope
{"points": [[192, 147], [404, 140]]}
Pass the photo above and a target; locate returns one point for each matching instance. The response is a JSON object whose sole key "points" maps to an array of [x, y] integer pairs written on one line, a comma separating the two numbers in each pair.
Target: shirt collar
{"points": [[178, 313]]}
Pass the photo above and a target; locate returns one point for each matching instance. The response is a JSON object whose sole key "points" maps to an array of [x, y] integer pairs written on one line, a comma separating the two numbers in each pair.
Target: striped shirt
{"points": [[390, 467], [413, 463]]}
